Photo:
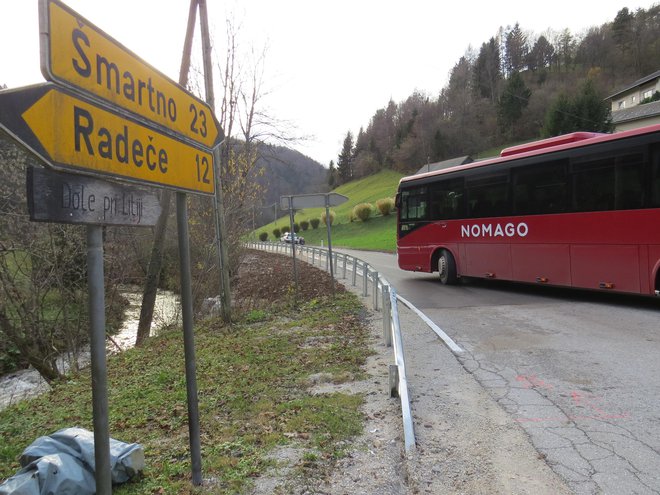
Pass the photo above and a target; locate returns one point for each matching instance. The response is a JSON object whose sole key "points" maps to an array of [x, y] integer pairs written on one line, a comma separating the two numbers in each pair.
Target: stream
{"points": [[27, 383]]}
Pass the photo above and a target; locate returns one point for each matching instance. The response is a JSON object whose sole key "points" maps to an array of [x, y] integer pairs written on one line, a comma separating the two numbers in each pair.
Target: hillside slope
{"points": [[377, 233]]}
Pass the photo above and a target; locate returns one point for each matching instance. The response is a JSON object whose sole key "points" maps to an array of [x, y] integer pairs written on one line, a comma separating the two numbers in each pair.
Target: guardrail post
{"points": [[394, 380], [375, 294], [355, 261], [387, 316], [344, 271], [365, 279]]}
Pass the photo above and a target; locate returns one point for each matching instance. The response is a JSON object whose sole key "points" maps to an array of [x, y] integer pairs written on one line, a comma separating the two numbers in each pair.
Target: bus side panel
{"points": [[547, 263], [488, 260], [654, 266], [644, 270], [414, 258], [593, 265]]}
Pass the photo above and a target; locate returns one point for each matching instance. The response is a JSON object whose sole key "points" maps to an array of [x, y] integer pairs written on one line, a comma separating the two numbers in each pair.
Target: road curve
{"points": [[578, 371]]}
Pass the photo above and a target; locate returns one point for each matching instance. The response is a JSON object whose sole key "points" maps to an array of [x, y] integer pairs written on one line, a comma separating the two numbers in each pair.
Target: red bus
{"points": [[580, 210]]}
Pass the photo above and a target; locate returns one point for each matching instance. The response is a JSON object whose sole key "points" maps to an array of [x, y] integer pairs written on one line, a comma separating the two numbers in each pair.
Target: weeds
{"points": [[252, 398]]}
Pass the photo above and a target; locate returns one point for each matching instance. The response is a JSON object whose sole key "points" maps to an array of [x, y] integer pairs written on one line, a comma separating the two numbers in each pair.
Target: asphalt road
{"points": [[578, 371]]}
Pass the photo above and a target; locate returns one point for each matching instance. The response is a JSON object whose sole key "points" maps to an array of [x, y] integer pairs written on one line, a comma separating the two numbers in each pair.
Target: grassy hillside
{"points": [[378, 233]]}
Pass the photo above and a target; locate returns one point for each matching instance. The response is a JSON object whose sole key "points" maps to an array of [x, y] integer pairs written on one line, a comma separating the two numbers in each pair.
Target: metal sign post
{"points": [[327, 225], [293, 248], [103, 473]]}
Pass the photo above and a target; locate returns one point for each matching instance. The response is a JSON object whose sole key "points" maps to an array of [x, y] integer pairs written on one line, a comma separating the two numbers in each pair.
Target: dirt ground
{"points": [[465, 442], [269, 279]]}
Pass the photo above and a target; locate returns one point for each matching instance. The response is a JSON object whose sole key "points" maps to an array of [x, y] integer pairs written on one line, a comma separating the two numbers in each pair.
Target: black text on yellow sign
{"points": [[75, 52], [80, 135]]}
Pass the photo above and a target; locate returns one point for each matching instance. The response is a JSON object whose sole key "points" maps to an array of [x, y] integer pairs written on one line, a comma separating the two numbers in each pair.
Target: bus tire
{"points": [[447, 268]]}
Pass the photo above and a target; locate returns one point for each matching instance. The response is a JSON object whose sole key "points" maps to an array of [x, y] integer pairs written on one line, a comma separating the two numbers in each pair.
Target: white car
{"points": [[296, 238]]}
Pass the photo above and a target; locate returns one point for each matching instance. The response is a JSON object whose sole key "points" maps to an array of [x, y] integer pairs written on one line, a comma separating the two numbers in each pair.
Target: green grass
{"points": [[252, 381], [378, 233]]}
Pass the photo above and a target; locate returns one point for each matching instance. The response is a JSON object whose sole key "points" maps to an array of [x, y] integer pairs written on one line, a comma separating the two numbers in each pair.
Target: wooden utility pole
{"points": [[156, 260], [221, 231]]}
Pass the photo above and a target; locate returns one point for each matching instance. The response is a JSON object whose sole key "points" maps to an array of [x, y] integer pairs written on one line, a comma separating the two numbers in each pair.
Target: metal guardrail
{"points": [[388, 299]]}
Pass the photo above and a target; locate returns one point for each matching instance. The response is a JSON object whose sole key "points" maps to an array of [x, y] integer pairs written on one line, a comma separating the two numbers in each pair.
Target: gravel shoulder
{"points": [[466, 443]]}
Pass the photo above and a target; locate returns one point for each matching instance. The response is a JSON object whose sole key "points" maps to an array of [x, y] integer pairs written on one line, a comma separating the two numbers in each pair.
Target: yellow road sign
{"points": [[72, 133], [75, 53]]}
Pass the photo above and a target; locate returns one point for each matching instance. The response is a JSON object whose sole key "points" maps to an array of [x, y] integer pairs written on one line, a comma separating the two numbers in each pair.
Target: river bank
{"points": [[27, 383]]}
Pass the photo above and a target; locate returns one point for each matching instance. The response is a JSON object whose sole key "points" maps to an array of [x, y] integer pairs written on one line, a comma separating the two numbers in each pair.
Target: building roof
{"points": [[432, 167], [637, 83], [637, 112]]}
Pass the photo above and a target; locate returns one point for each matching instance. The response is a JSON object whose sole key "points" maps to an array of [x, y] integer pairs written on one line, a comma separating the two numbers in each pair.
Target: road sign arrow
{"points": [[72, 133], [77, 54], [319, 200]]}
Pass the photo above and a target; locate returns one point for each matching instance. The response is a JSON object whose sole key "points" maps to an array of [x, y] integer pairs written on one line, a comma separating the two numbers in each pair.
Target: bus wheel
{"points": [[447, 268]]}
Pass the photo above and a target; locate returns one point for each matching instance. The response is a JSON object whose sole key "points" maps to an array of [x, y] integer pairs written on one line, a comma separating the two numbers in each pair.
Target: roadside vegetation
{"points": [[253, 381], [377, 232]]}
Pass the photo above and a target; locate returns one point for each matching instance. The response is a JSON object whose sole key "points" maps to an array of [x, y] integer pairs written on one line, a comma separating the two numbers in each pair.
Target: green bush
{"points": [[296, 228], [263, 236], [330, 219], [315, 222], [385, 206], [277, 233], [362, 211], [285, 229], [304, 224]]}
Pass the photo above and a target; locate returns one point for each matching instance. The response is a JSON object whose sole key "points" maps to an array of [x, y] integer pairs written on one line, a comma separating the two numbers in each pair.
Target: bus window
{"points": [[541, 188], [413, 204], [608, 182], [655, 177], [447, 200], [629, 186], [593, 183], [488, 195]]}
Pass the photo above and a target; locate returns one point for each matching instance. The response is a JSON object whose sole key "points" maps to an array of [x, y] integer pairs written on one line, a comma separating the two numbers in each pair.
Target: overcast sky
{"points": [[329, 65]]}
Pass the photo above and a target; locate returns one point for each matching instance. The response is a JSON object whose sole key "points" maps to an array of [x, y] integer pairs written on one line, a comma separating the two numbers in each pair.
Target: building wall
{"points": [[635, 95], [635, 124]]}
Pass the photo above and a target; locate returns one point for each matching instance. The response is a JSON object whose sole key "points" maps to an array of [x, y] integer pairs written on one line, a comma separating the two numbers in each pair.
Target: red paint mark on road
{"points": [[532, 381], [579, 399], [602, 417]]}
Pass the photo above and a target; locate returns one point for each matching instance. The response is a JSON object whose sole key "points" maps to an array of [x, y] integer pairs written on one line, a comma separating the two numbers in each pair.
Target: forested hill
{"points": [[516, 86], [286, 171]]}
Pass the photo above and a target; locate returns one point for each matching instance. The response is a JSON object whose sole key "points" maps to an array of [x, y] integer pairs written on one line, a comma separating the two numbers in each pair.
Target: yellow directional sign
{"points": [[72, 133], [77, 54]]}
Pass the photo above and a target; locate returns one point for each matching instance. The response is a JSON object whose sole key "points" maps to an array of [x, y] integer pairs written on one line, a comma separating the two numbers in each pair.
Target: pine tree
{"points": [[345, 159], [487, 71], [513, 101], [587, 111], [332, 175]]}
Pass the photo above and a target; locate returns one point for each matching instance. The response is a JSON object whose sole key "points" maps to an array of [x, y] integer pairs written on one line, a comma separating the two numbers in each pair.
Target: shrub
{"points": [[304, 224], [362, 211], [351, 216], [277, 233], [385, 206], [263, 236], [296, 228], [331, 219], [285, 229], [315, 222]]}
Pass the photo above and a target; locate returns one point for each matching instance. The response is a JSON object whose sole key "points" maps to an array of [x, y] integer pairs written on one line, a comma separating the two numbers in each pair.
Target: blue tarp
{"points": [[63, 464]]}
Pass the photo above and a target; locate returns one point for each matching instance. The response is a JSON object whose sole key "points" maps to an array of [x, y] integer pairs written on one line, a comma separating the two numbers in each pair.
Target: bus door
{"points": [[486, 248], [612, 187]]}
